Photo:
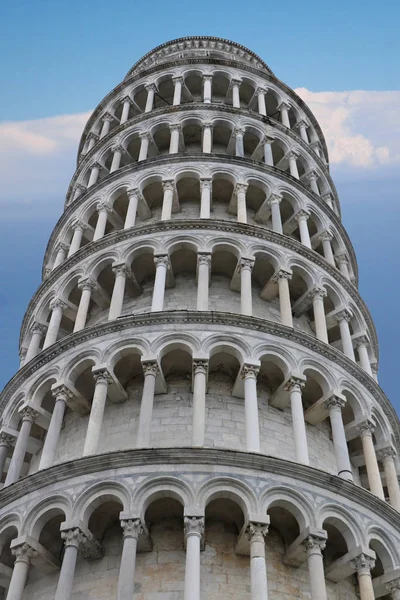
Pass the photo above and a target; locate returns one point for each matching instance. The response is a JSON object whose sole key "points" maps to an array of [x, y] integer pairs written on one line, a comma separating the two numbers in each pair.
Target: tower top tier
{"points": [[199, 47]]}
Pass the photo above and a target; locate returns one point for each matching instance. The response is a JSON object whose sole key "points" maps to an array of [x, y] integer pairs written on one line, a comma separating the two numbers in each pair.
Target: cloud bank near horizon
{"points": [[37, 158]]}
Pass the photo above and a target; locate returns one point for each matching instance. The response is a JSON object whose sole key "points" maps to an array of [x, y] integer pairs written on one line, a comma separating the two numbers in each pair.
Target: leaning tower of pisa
{"points": [[197, 414]]}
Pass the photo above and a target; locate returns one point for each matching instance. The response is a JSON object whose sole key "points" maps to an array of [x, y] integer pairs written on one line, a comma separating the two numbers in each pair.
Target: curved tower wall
{"points": [[198, 385]]}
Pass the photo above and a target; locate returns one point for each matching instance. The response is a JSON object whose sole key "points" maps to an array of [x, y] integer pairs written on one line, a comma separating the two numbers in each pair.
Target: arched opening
{"points": [[6, 557], [184, 293], [162, 137], [153, 195], [222, 191], [220, 87], [144, 271], [265, 292], [192, 136], [188, 190], [222, 295]]}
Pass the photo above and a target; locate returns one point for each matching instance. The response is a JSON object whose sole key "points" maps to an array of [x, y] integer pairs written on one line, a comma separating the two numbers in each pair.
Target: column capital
{"points": [[175, 127], [206, 124], [145, 135], [363, 564], [327, 198], [168, 184], [344, 315], [120, 269], [236, 81], [246, 263], [93, 135], [301, 123], [292, 154], [341, 257], [162, 259], [150, 367], [314, 544], [78, 224], [295, 383], [6, 439], [284, 106], [58, 303], [311, 175], [385, 452], [207, 77], [23, 553], [267, 139], [261, 90], [366, 428], [117, 148], [194, 526], [107, 117], [239, 131], [127, 99], [317, 292], [101, 375], [302, 214], [256, 532], [177, 79], [274, 199], [104, 205], [133, 192], [60, 392], [37, 327], [361, 340], [73, 537], [150, 87], [282, 274], [241, 188], [249, 371], [205, 183], [61, 246], [325, 236], [132, 528], [393, 588], [204, 258], [86, 284], [200, 365], [335, 401]]}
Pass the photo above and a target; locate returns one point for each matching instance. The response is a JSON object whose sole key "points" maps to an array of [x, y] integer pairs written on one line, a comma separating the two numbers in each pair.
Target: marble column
{"points": [[150, 370], [199, 401], [86, 286], [144, 146], [207, 138], [126, 105], [256, 533], [178, 82], [335, 405], [318, 295], [268, 156], [326, 238], [103, 208], [343, 264], [207, 88], [102, 380], [374, 477], [92, 139], [57, 307], [294, 386], [162, 265], [78, 227], [37, 330], [151, 90], [387, 455], [62, 251], [175, 129], [312, 180], [107, 119], [363, 565], [194, 530], [79, 190], [393, 588], [94, 173], [235, 83], [28, 417], [314, 546], [274, 202], [132, 530], [203, 279], [6, 441], [262, 109], [282, 278], [239, 147], [246, 303], [343, 317], [61, 395], [302, 127], [284, 110], [327, 198], [302, 217], [361, 344], [205, 200], [240, 191], [168, 189], [249, 374], [23, 556], [73, 538], [130, 218], [292, 160], [121, 272]]}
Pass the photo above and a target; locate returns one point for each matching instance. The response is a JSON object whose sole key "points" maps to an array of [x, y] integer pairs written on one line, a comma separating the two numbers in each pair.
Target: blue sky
{"points": [[60, 58]]}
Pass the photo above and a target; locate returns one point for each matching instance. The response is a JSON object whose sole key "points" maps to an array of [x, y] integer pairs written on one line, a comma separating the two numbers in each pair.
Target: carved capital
{"points": [[333, 402], [6, 440], [86, 284], [101, 375], [96, 165], [117, 148], [145, 135], [24, 553], [236, 81], [104, 206], [132, 528], [38, 328], [200, 366], [239, 131], [341, 258], [292, 155], [78, 224], [194, 526], [133, 192], [325, 236], [58, 303], [29, 414], [162, 260], [73, 537], [107, 117], [61, 246], [366, 428], [314, 544], [362, 340], [177, 79], [61, 393], [256, 532], [150, 367], [344, 315], [261, 91], [393, 588], [250, 371], [120, 269], [295, 383], [246, 263], [127, 99], [175, 127], [241, 188], [302, 123], [205, 183], [168, 185], [204, 258], [150, 87], [302, 215], [284, 106], [207, 77], [386, 452], [317, 292], [267, 139], [282, 274], [363, 564], [311, 175], [274, 199], [207, 124]]}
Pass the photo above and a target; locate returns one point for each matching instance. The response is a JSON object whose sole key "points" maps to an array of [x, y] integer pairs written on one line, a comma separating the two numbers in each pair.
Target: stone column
{"points": [[162, 265], [121, 272], [130, 218], [61, 395], [57, 307], [326, 238], [117, 151], [282, 278], [178, 82], [23, 556], [393, 588], [361, 344], [102, 379], [73, 538], [239, 147], [302, 127], [107, 118], [78, 227], [262, 109], [246, 303], [207, 88], [240, 190], [28, 416], [314, 547], [343, 264], [199, 401], [312, 180], [6, 442], [94, 173], [302, 217], [151, 90], [168, 188], [343, 317], [144, 146], [249, 374], [268, 156], [284, 110], [62, 251], [203, 278], [274, 201], [194, 530], [294, 387], [79, 190], [93, 138], [22, 356], [292, 159], [235, 92], [318, 295], [387, 455], [334, 405], [103, 209], [256, 533], [207, 138], [86, 286], [175, 130], [150, 370], [374, 477], [38, 330], [327, 198], [132, 530], [126, 104], [205, 201], [363, 564]]}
